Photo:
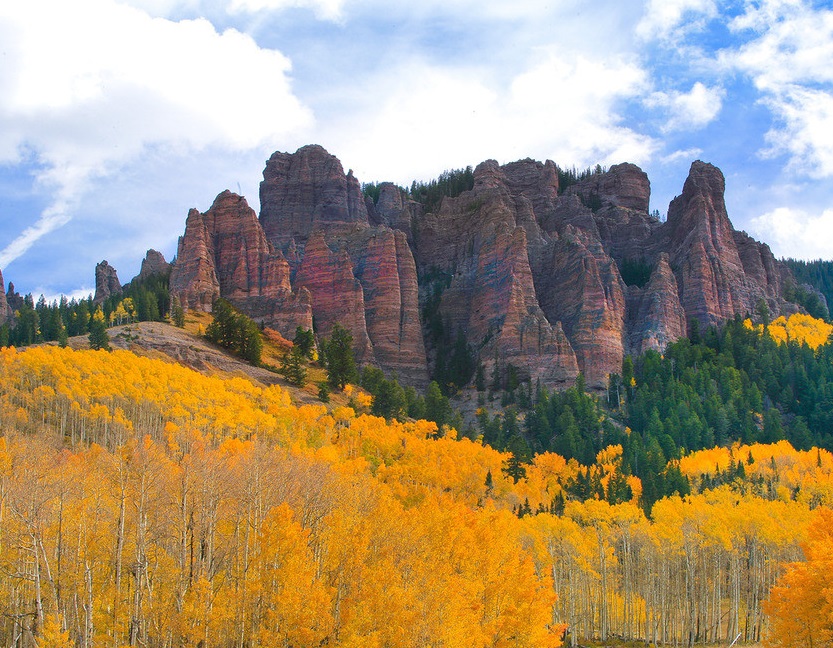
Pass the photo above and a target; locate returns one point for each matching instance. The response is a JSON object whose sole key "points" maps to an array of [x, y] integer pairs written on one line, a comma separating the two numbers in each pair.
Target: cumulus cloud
{"points": [[796, 233], [806, 132], [689, 110], [113, 81], [323, 9], [562, 108], [788, 58], [670, 19]]}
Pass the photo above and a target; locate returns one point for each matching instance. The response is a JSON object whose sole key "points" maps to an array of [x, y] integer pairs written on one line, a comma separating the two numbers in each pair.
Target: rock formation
{"points": [[715, 282], [153, 264], [550, 279], [5, 312], [358, 274], [655, 315], [305, 191], [224, 253], [479, 244], [106, 282]]}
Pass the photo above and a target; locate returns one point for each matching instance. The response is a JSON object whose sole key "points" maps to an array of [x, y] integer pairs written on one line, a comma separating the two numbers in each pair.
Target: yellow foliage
{"points": [[192, 509], [799, 327]]}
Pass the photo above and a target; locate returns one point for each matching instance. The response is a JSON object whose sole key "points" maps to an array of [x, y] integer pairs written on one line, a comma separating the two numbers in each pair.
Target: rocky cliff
{"points": [[5, 312], [550, 279], [224, 253], [358, 274], [153, 264], [106, 282]]}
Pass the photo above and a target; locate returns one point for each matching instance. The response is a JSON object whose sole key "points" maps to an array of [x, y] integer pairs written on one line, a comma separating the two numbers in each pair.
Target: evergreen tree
{"points": [[99, 339], [437, 406], [177, 313], [292, 367], [339, 359], [304, 340]]}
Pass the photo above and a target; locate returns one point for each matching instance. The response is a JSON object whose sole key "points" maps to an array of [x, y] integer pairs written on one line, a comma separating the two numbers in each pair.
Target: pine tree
{"points": [[292, 367], [98, 331], [339, 359]]}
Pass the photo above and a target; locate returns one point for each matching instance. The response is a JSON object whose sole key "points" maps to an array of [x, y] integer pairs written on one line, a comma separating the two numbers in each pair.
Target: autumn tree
{"points": [[800, 607]]}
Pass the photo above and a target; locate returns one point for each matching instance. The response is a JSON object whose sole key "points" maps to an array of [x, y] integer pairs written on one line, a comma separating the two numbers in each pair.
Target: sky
{"points": [[118, 116]]}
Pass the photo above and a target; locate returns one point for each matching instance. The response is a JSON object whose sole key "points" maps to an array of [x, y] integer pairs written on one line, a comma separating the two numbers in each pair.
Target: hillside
{"points": [[192, 508]]}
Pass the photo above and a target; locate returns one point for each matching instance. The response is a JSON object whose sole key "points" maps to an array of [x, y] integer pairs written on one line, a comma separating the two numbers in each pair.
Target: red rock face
{"points": [[580, 287], [305, 191], [359, 275], [193, 277], [385, 267], [5, 311], [655, 315], [716, 280], [106, 282], [224, 253], [481, 240], [153, 264], [530, 275], [337, 296]]}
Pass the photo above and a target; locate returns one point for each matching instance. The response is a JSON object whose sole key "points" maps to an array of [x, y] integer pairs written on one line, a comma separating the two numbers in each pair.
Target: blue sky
{"points": [[116, 117]]}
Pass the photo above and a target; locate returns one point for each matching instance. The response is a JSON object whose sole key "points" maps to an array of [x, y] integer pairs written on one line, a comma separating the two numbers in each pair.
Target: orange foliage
{"points": [[145, 503], [799, 327], [800, 606]]}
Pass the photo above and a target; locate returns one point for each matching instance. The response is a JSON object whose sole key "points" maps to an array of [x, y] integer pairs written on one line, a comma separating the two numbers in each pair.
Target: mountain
{"points": [[539, 271]]}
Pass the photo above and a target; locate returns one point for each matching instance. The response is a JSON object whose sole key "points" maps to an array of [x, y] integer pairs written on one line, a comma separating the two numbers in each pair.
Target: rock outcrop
{"points": [[551, 280], [479, 245], [305, 191], [5, 312], [580, 287], [721, 272], [106, 282], [224, 253], [153, 264], [358, 274], [655, 315]]}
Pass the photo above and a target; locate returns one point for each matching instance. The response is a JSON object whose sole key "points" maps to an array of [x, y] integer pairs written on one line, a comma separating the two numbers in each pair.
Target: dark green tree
{"points": [[437, 406], [292, 367], [98, 331], [339, 359], [305, 341]]}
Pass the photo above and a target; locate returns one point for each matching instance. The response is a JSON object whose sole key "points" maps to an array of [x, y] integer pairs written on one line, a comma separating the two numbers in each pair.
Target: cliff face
{"points": [[480, 243], [532, 274], [359, 274], [5, 311], [106, 282], [153, 264], [224, 253], [720, 272], [305, 191]]}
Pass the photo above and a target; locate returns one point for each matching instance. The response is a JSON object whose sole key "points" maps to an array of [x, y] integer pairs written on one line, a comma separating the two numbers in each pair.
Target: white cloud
{"points": [[323, 9], [669, 19], [566, 109], [796, 233], [686, 154], [793, 44], [806, 130], [113, 81], [788, 58], [689, 110], [50, 220]]}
